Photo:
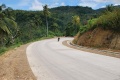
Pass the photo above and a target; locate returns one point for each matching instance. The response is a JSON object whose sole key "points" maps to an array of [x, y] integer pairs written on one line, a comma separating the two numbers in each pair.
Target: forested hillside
{"points": [[59, 21], [21, 26], [101, 32], [32, 24]]}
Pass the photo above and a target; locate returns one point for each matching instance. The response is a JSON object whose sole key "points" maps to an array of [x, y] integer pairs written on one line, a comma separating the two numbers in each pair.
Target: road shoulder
{"points": [[107, 52], [14, 65]]}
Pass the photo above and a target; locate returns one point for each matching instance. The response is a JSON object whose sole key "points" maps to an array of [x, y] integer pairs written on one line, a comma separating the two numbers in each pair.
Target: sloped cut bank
{"points": [[99, 38]]}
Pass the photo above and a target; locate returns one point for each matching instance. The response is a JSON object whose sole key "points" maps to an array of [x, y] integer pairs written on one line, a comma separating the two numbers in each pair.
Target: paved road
{"points": [[50, 60]]}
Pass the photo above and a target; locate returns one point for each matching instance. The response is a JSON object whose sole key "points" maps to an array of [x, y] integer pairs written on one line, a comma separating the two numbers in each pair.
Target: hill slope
{"points": [[102, 32], [32, 24], [99, 38]]}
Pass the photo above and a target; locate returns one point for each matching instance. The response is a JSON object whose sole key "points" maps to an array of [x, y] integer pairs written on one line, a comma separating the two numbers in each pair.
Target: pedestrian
{"points": [[58, 39]]}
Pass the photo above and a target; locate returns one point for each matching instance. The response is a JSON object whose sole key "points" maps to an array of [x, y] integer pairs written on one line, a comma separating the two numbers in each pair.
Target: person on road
{"points": [[58, 39]]}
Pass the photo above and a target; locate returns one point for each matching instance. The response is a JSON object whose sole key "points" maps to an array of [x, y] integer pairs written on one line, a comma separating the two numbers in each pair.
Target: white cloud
{"points": [[53, 5], [96, 3], [62, 4], [100, 1], [36, 5], [93, 1], [116, 4], [56, 4], [104, 1], [116, 1]]}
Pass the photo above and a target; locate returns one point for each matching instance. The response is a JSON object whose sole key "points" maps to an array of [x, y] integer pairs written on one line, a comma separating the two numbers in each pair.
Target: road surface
{"points": [[50, 60]]}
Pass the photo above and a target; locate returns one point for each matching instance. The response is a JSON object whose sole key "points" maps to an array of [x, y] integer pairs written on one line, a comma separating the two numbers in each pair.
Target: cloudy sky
{"points": [[37, 4]]}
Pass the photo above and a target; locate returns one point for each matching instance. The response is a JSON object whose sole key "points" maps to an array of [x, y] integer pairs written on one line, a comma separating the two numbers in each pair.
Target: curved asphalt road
{"points": [[50, 60]]}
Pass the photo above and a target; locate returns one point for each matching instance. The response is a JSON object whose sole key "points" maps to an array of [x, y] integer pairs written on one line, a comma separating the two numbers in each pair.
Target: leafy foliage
{"points": [[63, 21], [7, 26], [109, 20]]}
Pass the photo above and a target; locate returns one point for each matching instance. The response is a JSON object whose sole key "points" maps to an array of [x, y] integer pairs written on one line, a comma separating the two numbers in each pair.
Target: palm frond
{"points": [[3, 27], [10, 23]]}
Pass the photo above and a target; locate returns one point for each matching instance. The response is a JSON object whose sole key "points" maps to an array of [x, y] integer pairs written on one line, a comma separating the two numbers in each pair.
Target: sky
{"points": [[38, 4]]}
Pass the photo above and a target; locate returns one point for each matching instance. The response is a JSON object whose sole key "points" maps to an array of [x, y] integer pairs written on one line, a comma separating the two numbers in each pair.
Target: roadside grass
{"points": [[4, 49]]}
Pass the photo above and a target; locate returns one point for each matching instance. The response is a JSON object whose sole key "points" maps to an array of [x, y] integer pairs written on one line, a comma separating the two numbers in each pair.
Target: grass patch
{"points": [[2, 50]]}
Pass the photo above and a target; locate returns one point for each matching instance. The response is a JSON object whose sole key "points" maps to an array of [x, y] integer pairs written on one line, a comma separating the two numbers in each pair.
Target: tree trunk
{"points": [[47, 26]]}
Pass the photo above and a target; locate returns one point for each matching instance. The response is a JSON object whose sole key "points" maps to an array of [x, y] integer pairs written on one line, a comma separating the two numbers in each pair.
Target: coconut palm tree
{"points": [[46, 13], [109, 8], [3, 28], [7, 26]]}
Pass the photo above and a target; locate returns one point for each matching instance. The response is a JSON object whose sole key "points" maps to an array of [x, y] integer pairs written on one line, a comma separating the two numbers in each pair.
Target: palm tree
{"points": [[7, 26], [2, 7], [109, 8], [46, 13], [3, 28]]}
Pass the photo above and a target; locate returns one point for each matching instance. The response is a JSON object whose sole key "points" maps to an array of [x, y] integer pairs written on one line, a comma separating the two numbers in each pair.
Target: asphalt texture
{"points": [[51, 60]]}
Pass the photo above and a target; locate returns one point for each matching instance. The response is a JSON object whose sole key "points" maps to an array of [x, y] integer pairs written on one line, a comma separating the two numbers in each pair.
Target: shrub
{"points": [[92, 23], [83, 29], [110, 21], [2, 50]]}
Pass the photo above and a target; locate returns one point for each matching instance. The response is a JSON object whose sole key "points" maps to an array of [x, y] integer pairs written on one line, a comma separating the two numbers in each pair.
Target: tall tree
{"points": [[3, 28], [8, 26], [109, 8], [46, 13], [76, 22], [54, 27]]}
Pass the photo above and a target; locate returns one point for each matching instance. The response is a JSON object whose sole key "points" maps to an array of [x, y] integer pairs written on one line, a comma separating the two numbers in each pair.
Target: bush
{"points": [[83, 29], [92, 23], [110, 21]]}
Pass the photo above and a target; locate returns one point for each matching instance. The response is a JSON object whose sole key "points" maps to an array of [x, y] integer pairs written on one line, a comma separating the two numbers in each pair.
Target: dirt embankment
{"points": [[99, 38], [14, 65]]}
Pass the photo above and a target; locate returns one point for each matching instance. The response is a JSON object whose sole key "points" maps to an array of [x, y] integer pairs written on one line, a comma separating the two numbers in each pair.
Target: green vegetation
{"points": [[65, 16], [8, 27], [46, 13], [19, 26], [2, 50], [108, 20]]}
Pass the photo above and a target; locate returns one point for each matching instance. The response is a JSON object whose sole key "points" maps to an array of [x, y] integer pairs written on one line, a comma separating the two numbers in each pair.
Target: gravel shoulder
{"points": [[14, 65], [107, 52]]}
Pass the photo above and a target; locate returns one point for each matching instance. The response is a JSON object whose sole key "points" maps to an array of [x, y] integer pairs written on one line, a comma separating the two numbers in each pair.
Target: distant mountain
{"points": [[65, 13], [74, 9], [102, 9]]}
